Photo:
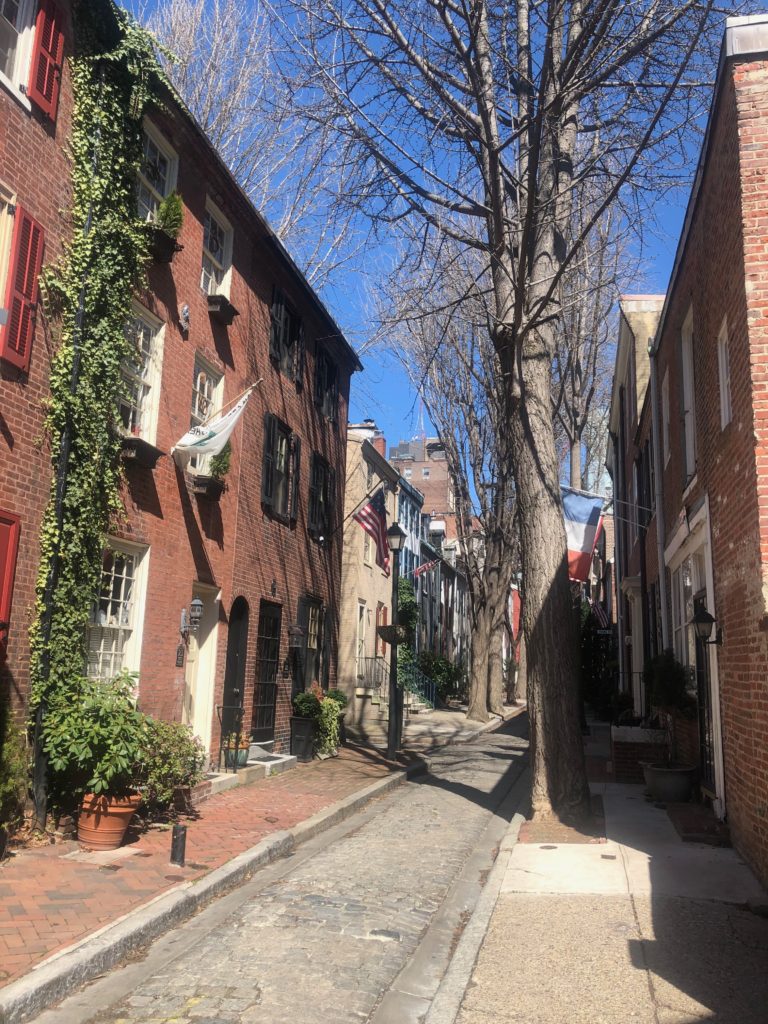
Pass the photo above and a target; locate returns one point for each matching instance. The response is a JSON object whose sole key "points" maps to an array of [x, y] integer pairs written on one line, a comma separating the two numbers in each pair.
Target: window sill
{"points": [[221, 310], [207, 486], [140, 452], [162, 246], [689, 487], [17, 94]]}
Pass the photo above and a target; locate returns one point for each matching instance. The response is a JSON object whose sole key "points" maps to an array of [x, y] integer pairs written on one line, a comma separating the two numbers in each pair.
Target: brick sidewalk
{"points": [[54, 896]]}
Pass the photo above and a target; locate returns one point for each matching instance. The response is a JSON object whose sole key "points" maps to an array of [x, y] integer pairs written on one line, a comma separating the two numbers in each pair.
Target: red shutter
{"points": [[9, 546], [47, 57], [21, 293]]}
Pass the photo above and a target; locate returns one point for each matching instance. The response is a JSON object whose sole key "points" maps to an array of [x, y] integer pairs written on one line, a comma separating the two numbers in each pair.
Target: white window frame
{"points": [[131, 618], [206, 402], [17, 81], [425, 473], [162, 144], [361, 631], [688, 396], [222, 265], [724, 369], [367, 546], [150, 380], [7, 199]]}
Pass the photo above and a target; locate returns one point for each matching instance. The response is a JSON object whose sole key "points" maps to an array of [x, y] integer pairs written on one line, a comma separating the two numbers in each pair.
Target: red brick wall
{"points": [[34, 166]]}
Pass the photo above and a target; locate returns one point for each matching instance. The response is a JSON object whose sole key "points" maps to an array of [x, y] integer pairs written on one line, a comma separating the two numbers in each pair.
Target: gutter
{"points": [[666, 631]]}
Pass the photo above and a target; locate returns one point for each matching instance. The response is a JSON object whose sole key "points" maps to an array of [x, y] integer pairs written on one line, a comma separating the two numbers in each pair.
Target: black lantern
{"points": [[702, 623], [195, 614], [395, 537], [296, 635]]}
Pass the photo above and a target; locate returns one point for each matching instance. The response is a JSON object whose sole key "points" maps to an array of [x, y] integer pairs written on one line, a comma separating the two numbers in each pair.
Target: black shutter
{"points": [[313, 519], [333, 387], [323, 649], [268, 463], [300, 347], [320, 378], [330, 501], [276, 323], [295, 472]]}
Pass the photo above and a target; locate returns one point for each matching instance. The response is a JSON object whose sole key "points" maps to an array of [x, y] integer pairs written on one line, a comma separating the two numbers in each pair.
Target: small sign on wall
{"points": [[180, 656]]}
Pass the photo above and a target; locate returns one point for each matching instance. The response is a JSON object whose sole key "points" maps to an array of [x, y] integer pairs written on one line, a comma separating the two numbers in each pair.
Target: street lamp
{"points": [[395, 540], [702, 623]]}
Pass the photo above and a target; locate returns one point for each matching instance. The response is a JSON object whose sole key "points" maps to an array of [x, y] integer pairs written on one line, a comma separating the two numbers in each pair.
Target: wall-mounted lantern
{"points": [[702, 623]]}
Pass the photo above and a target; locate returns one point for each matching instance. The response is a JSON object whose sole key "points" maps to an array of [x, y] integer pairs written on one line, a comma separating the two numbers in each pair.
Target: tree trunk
{"points": [[575, 474], [478, 680], [496, 665], [559, 783], [521, 674]]}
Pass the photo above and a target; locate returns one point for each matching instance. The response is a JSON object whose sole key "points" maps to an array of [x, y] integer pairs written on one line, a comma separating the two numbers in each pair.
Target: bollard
{"points": [[178, 844]]}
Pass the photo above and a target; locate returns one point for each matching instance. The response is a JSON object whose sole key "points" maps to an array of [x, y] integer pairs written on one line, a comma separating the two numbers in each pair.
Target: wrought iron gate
{"points": [[267, 662]]}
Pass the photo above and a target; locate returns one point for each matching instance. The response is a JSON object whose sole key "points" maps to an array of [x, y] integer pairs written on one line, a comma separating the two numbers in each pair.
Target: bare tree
{"points": [[227, 67], [487, 124], [437, 319]]}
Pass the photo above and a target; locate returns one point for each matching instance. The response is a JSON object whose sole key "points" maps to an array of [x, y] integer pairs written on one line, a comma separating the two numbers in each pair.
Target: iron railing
{"points": [[413, 680]]}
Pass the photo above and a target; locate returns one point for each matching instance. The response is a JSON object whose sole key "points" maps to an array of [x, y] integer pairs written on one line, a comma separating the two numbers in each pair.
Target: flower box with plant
{"points": [[96, 744], [165, 228], [213, 483]]}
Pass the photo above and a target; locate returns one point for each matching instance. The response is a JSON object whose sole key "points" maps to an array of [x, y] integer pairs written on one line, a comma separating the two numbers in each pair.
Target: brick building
{"points": [[708, 412], [230, 310]]}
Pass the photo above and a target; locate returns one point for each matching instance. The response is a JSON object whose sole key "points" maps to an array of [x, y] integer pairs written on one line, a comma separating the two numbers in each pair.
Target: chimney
{"points": [[379, 442]]}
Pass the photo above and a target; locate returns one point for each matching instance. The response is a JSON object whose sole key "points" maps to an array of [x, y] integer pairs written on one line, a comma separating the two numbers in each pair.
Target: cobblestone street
{"points": [[325, 941]]}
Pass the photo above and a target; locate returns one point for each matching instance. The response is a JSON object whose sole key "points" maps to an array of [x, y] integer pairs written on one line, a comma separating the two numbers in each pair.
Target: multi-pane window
{"points": [[326, 386], [206, 399], [139, 371], [361, 638], [32, 51], [217, 246], [724, 366], [113, 627], [10, 30], [157, 174], [280, 469], [286, 337], [321, 487]]}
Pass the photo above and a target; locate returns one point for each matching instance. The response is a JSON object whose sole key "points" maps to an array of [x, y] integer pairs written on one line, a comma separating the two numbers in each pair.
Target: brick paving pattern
{"points": [[51, 898]]}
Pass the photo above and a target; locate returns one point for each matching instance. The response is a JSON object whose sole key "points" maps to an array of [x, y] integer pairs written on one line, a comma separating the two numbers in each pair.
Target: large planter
{"points": [[302, 738], [104, 820], [230, 760], [162, 246], [671, 783]]}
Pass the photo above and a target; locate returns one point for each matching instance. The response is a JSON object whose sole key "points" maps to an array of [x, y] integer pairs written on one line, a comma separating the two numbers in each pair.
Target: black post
{"points": [[178, 845], [395, 724]]}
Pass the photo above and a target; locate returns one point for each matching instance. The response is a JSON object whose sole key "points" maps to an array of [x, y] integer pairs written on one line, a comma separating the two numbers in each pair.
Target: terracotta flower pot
{"points": [[104, 820]]}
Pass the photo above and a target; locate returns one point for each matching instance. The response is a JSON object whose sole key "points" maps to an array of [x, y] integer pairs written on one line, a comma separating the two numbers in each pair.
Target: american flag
{"points": [[425, 568], [373, 519]]}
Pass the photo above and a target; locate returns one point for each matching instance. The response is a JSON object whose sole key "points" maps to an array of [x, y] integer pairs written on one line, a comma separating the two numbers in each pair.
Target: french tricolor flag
{"points": [[583, 519]]}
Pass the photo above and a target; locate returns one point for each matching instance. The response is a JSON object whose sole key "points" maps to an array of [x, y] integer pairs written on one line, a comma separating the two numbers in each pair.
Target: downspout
{"points": [[666, 631], [618, 563]]}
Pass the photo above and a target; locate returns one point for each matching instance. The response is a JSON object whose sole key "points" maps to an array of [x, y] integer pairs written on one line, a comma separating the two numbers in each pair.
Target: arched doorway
{"points": [[234, 673]]}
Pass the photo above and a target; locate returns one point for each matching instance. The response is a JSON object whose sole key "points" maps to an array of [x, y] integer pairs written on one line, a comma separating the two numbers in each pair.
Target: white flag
{"points": [[209, 438]]}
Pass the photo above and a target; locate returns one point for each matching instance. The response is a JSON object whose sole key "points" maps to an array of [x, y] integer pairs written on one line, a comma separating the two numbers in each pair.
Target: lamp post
{"points": [[395, 539]]}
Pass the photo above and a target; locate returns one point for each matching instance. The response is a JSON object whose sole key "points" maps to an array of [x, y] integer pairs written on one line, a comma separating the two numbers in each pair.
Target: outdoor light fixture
{"points": [[184, 317], [195, 614], [273, 588], [395, 537], [702, 623], [296, 635]]}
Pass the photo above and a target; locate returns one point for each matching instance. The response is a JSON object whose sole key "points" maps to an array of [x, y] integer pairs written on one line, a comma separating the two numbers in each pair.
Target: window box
{"points": [[207, 486], [162, 246], [139, 452], [222, 310]]}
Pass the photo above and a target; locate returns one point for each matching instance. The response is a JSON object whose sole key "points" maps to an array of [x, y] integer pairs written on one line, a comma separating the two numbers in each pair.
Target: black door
{"points": [[267, 661], [704, 701], [234, 674]]}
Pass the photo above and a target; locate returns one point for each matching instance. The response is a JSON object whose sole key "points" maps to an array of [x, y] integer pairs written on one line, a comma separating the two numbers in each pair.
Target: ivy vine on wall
{"points": [[115, 75]]}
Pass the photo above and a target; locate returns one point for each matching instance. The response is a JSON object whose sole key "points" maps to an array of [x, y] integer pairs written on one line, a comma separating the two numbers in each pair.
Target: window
{"points": [[682, 612], [10, 528], [688, 401], [367, 548], [21, 282], [327, 386], [31, 52], [724, 366], [157, 175], [280, 469], [138, 403], [360, 638], [286, 338], [207, 388], [368, 478], [425, 474], [114, 631], [382, 616], [217, 252], [408, 473], [665, 416], [321, 493]]}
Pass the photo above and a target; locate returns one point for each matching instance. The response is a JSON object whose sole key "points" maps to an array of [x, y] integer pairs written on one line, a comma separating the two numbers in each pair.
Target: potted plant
{"points": [[306, 712], [667, 682], [213, 483], [173, 764], [235, 746], [96, 744], [341, 699], [164, 229]]}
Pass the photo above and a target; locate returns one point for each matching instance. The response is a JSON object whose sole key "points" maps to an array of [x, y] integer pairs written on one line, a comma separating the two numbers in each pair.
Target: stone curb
{"points": [[50, 981], [450, 994]]}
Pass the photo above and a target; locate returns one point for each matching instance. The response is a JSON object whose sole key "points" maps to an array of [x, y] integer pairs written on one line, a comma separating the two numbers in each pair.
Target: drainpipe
{"points": [[666, 631], [618, 563]]}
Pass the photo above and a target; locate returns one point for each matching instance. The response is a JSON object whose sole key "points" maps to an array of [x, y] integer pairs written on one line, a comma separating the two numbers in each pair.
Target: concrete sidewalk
{"points": [[641, 928], [66, 915]]}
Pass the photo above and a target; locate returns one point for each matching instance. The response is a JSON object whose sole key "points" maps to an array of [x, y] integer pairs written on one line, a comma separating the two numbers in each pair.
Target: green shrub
{"points": [[667, 682], [170, 215], [306, 705], [97, 741], [446, 676], [218, 467], [327, 738], [14, 771], [339, 696], [174, 757]]}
